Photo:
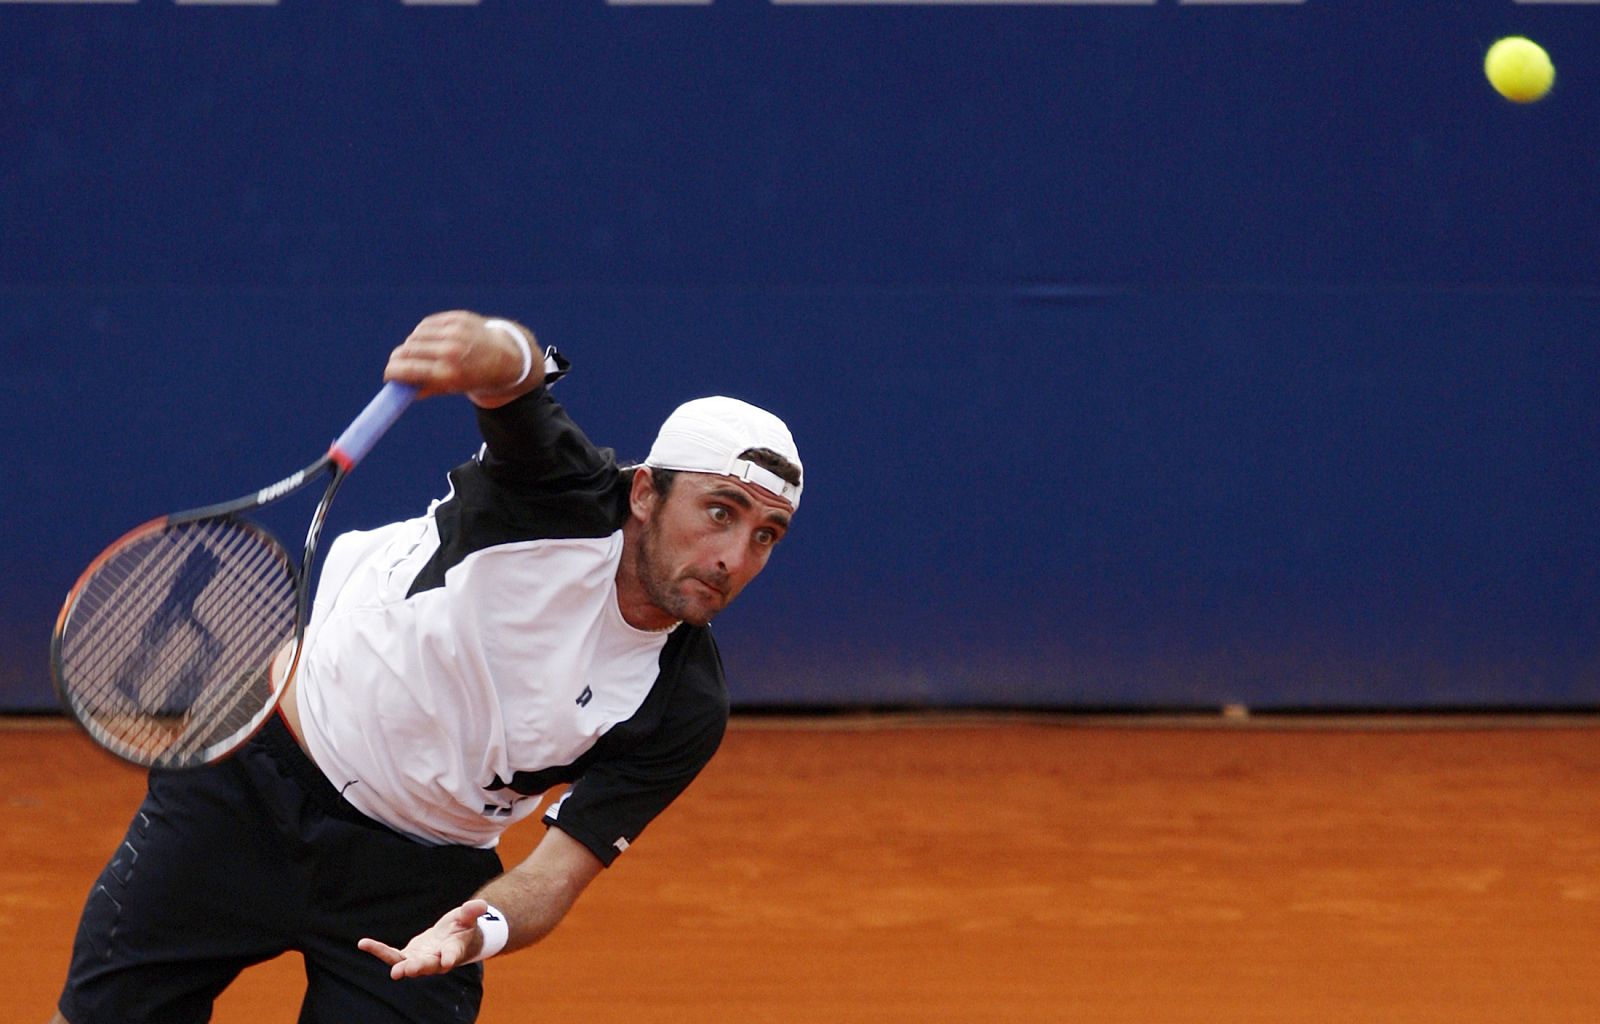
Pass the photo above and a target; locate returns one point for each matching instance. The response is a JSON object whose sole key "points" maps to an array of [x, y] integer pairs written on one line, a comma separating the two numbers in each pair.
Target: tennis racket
{"points": [[163, 651]]}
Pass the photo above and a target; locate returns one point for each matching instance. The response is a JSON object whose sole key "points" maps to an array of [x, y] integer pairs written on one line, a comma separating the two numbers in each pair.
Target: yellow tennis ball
{"points": [[1519, 69]]}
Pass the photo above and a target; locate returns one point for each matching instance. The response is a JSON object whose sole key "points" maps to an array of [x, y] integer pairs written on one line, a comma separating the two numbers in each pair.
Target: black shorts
{"points": [[232, 864]]}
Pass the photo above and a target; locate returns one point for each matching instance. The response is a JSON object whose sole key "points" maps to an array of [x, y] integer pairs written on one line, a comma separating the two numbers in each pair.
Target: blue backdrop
{"points": [[1140, 354]]}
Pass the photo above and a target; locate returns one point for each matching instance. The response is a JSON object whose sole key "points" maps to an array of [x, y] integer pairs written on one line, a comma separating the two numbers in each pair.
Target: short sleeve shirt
{"points": [[460, 664]]}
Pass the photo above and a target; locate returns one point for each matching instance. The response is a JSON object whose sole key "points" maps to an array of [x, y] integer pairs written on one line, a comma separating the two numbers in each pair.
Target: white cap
{"points": [[707, 435]]}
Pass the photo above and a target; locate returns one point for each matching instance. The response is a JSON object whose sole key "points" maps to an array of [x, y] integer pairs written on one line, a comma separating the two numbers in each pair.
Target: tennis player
{"points": [[545, 623]]}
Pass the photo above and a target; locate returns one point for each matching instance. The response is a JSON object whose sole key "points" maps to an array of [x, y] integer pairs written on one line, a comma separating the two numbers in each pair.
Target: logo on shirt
{"points": [[500, 810], [585, 697]]}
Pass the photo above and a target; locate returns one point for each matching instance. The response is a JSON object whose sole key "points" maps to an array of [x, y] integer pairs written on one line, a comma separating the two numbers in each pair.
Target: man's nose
{"points": [[735, 552]]}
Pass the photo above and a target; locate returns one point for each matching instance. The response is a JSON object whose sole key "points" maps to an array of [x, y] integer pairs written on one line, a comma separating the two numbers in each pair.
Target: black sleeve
{"points": [[617, 796], [531, 444], [537, 477]]}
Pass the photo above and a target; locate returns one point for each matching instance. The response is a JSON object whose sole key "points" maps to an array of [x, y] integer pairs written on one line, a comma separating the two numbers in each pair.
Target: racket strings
{"points": [[156, 620], [166, 651], [139, 599]]}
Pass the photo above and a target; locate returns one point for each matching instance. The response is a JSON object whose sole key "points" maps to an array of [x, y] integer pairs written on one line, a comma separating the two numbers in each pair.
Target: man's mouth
{"points": [[712, 588]]}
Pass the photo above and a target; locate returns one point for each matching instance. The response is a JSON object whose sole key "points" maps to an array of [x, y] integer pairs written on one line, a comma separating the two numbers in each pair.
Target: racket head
{"points": [[164, 646]]}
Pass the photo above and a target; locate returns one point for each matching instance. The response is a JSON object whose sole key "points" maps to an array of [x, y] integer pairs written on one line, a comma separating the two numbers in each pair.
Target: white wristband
{"points": [[494, 931], [523, 344]]}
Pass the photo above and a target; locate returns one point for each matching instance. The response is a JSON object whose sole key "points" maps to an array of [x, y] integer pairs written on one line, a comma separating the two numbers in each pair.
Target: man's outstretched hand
{"points": [[454, 940]]}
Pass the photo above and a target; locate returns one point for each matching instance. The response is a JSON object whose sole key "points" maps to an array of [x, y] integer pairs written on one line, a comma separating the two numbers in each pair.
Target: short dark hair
{"points": [[771, 461], [766, 458]]}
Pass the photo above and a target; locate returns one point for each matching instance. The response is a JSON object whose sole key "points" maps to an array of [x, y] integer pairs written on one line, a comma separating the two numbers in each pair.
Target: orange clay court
{"points": [[1008, 869]]}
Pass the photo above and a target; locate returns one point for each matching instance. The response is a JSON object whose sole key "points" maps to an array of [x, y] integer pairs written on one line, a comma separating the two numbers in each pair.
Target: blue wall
{"points": [[1140, 355]]}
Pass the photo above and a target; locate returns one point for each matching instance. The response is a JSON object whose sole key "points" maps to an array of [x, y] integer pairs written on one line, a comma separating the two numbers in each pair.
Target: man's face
{"points": [[701, 545]]}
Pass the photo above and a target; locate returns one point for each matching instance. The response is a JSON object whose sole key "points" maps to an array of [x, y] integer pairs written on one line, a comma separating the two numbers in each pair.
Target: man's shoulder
{"points": [[591, 506]]}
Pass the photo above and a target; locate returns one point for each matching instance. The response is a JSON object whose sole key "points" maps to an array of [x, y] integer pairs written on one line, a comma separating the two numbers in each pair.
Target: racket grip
{"points": [[380, 414]]}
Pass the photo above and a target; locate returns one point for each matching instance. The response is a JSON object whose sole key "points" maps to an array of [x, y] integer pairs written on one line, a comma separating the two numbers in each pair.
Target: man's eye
{"points": [[719, 513], [766, 538]]}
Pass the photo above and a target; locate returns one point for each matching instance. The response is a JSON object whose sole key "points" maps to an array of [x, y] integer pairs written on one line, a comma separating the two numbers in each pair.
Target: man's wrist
{"points": [[493, 931], [524, 347]]}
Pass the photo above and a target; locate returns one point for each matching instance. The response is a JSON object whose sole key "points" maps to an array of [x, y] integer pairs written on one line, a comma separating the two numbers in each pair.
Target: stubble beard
{"points": [[658, 583]]}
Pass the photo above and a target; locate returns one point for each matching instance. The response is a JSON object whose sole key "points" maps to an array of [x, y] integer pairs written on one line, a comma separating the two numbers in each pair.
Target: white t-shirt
{"points": [[459, 664]]}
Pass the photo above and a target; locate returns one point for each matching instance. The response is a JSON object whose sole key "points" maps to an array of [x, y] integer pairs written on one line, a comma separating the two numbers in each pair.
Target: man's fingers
{"points": [[412, 968], [416, 965], [435, 951], [383, 951], [409, 963]]}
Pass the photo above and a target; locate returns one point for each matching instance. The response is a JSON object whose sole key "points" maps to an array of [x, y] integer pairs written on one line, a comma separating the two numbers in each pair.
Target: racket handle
{"points": [[379, 415]]}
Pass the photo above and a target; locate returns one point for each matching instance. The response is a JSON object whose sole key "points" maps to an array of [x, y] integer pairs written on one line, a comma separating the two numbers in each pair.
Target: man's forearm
{"points": [[536, 894], [532, 903]]}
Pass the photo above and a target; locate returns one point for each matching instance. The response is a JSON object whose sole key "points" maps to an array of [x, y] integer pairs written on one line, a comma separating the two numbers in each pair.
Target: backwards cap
{"points": [[707, 435]]}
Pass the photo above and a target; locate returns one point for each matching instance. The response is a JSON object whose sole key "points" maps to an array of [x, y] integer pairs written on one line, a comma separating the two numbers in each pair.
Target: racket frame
{"points": [[347, 450]]}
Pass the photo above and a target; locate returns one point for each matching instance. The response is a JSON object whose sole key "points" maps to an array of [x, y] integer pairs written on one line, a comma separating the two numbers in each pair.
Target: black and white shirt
{"points": [[459, 664]]}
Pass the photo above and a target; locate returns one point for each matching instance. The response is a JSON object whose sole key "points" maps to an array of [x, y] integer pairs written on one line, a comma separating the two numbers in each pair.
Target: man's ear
{"points": [[642, 495]]}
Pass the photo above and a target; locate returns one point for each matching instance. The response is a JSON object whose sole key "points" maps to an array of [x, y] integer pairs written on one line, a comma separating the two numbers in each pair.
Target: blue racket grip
{"points": [[379, 415]]}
